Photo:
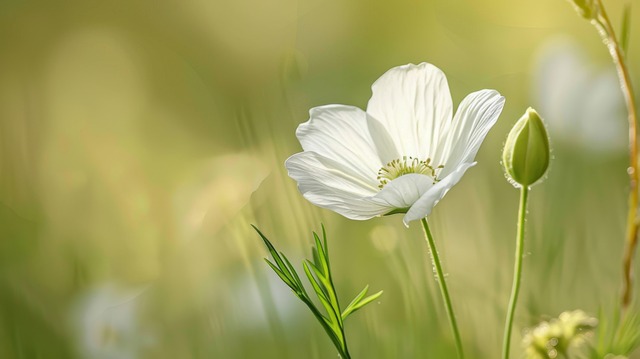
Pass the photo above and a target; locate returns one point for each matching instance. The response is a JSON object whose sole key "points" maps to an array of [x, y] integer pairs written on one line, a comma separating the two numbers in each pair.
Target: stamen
{"points": [[407, 165]]}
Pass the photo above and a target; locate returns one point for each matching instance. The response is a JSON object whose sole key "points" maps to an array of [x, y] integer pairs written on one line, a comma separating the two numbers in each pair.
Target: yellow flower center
{"points": [[407, 165]]}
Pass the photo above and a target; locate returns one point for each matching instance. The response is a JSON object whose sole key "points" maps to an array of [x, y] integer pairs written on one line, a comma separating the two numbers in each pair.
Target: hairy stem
{"points": [[517, 272], [435, 258]]}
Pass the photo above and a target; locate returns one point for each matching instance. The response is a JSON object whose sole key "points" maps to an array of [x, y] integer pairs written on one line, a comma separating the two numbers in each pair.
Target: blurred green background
{"points": [[140, 139]]}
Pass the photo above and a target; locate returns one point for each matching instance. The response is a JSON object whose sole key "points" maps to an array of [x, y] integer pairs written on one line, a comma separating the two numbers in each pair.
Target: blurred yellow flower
{"points": [[553, 339]]}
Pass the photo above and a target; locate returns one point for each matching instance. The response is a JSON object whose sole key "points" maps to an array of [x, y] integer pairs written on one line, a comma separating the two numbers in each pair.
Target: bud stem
{"points": [[435, 258], [517, 271]]}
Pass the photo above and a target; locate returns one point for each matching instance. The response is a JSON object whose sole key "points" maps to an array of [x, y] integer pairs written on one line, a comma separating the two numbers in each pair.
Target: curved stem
{"points": [[435, 258], [603, 24], [517, 272]]}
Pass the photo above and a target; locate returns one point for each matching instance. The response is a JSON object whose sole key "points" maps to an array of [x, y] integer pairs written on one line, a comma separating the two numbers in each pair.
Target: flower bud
{"points": [[526, 152]]}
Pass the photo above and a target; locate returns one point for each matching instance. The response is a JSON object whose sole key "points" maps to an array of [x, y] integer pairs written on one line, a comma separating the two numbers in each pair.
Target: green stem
{"points": [[517, 269], [345, 354], [443, 286]]}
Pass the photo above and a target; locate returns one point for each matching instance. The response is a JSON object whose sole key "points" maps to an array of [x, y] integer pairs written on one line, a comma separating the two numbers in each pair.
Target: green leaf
{"points": [[280, 274], [322, 283], [270, 247], [273, 252], [326, 246], [327, 286], [320, 257], [296, 277], [319, 275], [626, 27], [617, 333], [354, 302], [325, 298], [317, 287], [362, 303], [316, 258]]}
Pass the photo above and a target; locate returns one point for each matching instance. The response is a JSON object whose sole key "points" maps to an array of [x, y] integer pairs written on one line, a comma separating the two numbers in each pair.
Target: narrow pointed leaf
{"points": [[326, 285], [282, 276], [314, 282], [332, 306], [362, 303], [316, 258], [332, 320], [270, 246], [322, 282], [274, 253], [318, 272], [326, 246], [355, 301], [296, 278], [281, 265], [322, 256], [626, 27], [332, 312]]}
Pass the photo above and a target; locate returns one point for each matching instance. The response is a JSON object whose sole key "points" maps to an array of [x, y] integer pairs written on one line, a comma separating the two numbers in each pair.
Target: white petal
{"points": [[413, 103], [387, 149], [332, 185], [403, 191], [477, 113], [423, 206], [341, 133]]}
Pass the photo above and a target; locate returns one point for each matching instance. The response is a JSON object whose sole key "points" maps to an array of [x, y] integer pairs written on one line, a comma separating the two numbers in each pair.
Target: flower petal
{"points": [[413, 103], [332, 185], [387, 149], [423, 206], [341, 133], [403, 191], [477, 113]]}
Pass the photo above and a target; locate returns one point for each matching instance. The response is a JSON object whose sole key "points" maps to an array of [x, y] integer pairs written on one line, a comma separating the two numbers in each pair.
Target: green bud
{"points": [[586, 8], [526, 152]]}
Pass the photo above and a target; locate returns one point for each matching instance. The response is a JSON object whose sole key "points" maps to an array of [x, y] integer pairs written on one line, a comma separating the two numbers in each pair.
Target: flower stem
{"points": [[603, 24], [517, 272], [443, 286]]}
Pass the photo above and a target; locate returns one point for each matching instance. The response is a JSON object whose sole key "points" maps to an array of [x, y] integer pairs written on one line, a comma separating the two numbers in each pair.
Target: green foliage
{"points": [[626, 28], [319, 275], [617, 335]]}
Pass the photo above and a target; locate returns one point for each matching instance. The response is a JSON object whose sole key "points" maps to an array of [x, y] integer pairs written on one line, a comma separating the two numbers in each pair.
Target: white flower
{"points": [[107, 325], [400, 156]]}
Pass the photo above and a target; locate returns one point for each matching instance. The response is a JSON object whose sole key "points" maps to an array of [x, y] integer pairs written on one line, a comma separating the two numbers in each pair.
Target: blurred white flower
{"points": [[400, 156], [582, 104], [106, 324], [253, 302], [209, 197]]}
